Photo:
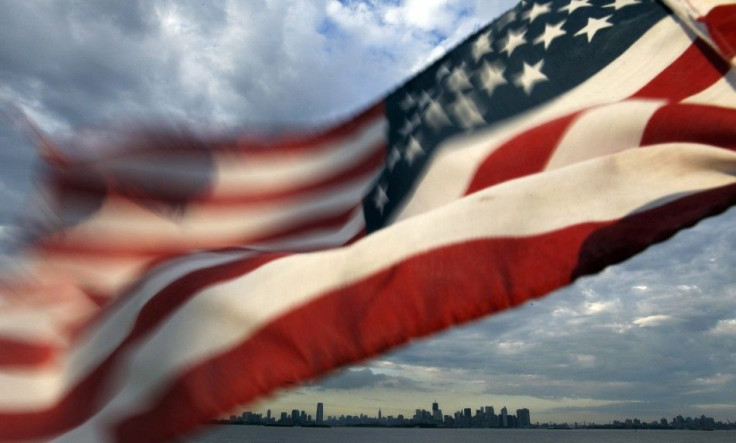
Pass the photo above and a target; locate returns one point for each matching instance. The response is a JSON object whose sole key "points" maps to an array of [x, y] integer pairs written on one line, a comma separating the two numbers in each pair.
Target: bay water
{"points": [[264, 434]]}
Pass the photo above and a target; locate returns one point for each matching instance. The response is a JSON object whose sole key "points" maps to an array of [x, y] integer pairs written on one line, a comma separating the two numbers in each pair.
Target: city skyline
{"points": [[468, 417], [482, 417], [353, 407]]}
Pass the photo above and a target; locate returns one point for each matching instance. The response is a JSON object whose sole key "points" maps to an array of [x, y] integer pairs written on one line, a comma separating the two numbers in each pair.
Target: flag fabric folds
{"points": [[171, 277]]}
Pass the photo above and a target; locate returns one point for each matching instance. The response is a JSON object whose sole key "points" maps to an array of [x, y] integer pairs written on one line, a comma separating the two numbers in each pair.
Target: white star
{"points": [[530, 77], [467, 113], [407, 102], [393, 157], [435, 116], [412, 150], [594, 25], [513, 40], [482, 46], [408, 128], [551, 32], [575, 4], [416, 119], [506, 19], [442, 71], [536, 11], [458, 80], [424, 99], [618, 4], [380, 198], [491, 76]]}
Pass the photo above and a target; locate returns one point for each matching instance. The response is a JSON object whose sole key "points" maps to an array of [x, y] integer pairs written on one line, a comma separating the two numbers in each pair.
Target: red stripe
{"points": [[695, 70], [721, 24], [134, 248], [525, 154], [305, 141], [416, 297], [151, 262], [84, 187], [153, 142], [692, 123], [14, 353], [89, 395]]}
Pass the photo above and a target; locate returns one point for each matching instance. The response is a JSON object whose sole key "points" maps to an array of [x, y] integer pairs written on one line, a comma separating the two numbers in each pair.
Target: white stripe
{"points": [[253, 175], [225, 314], [691, 11], [119, 221], [106, 275], [695, 8], [602, 131], [722, 93], [455, 161], [319, 239], [102, 274]]}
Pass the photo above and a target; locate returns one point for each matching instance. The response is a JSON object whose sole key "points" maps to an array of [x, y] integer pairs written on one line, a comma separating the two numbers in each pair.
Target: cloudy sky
{"points": [[653, 337]]}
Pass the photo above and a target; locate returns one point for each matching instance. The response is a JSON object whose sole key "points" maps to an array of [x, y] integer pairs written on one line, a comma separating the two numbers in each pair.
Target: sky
{"points": [[653, 337]]}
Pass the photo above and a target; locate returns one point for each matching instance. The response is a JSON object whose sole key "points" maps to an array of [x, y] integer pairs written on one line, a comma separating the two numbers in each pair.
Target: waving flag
{"points": [[171, 277]]}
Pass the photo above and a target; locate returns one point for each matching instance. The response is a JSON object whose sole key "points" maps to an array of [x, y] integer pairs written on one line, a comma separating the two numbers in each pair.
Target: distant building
{"points": [[436, 413], [522, 415], [320, 413], [504, 418]]}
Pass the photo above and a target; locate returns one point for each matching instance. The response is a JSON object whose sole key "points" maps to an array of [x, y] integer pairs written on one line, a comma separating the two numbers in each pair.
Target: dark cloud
{"points": [[365, 378]]}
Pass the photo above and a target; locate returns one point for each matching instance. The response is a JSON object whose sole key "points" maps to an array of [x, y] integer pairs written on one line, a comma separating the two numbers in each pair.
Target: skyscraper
{"points": [[436, 413], [523, 416], [320, 413]]}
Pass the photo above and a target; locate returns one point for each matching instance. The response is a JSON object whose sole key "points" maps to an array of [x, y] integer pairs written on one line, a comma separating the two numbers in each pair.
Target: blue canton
{"points": [[528, 56]]}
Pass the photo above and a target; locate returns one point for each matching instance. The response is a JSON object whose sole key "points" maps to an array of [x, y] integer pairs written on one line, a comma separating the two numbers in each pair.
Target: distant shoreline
{"points": [[430, 426]]}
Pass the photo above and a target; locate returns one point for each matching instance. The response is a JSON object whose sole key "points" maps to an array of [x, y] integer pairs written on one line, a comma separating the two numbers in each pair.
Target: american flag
{"points": [[170, 277]]}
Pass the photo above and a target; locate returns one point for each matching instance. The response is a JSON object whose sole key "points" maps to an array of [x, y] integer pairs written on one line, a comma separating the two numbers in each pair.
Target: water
{"points": [[261, 434]]}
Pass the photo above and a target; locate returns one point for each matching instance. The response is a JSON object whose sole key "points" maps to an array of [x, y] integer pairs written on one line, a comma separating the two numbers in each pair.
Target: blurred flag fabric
{"points": [[170, 277]]}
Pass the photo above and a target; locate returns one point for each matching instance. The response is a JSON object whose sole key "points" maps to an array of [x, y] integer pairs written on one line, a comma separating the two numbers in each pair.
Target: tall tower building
{"points": [[504, 417], [320, 413], [436, 413], [523, 416]]}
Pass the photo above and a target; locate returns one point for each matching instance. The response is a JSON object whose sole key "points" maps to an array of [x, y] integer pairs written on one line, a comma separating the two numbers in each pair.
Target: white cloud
{"points": [[585, 360], [724, 328], [511, 347], [653, 320], [599, 307], [718, 379], [426, 15]]}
